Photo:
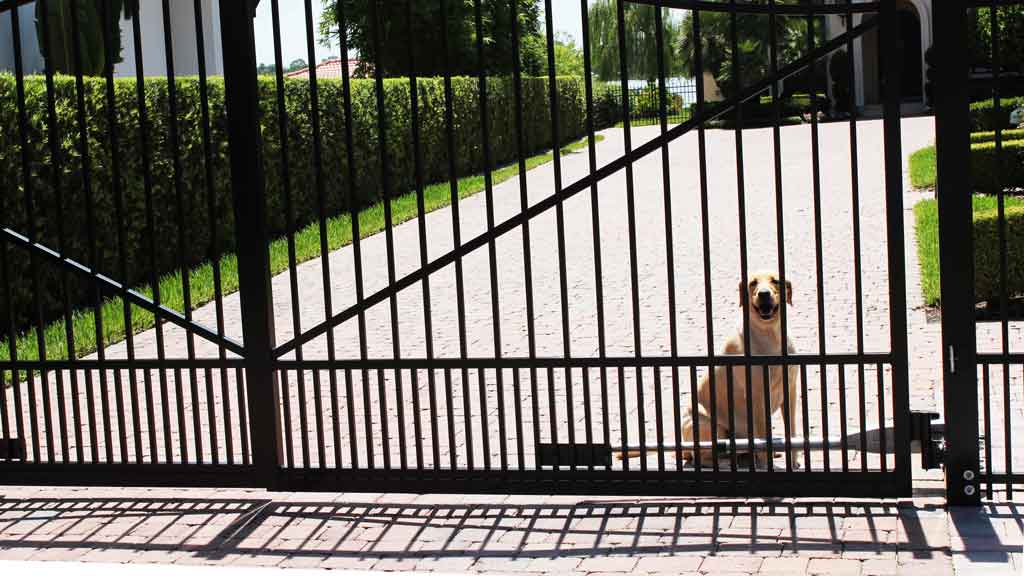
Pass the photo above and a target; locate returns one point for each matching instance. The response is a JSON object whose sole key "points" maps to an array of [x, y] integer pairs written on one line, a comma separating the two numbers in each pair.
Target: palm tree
{"points": [[753, 44]]}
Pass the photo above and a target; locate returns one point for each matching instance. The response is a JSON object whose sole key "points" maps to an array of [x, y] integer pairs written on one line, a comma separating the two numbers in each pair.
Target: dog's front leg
{"points": [[794, 403]]}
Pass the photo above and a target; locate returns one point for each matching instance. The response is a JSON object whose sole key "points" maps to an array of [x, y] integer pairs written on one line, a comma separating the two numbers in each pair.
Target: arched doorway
{"points": [[913, 21]]}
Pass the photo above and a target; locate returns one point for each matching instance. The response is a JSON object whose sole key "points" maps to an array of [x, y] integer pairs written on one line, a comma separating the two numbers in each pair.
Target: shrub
{"points": [[987, 247], [922, 168], [988, 173], [607, 105], [839, 67], [340, 194], [987, 283], [984, 117], [991, 172]]}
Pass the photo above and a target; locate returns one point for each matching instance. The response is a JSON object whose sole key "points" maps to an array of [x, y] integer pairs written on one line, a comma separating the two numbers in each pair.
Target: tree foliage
{"points": [[641, 44], [422, 33], [59, 52], [568, 56], [753, 44], [1009, 24]]}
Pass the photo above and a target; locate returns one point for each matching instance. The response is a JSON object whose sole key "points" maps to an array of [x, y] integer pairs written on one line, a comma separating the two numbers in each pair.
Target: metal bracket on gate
{"points": [[12, 449], [930, 437], [574, 454]]}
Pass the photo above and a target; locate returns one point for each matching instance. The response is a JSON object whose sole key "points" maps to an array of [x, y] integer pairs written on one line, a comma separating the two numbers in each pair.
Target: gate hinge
{"points": [[930, 437], [12, 449]]}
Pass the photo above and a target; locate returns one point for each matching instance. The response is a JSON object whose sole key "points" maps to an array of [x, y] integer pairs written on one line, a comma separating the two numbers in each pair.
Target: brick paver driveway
{"points": [[569, 535]]}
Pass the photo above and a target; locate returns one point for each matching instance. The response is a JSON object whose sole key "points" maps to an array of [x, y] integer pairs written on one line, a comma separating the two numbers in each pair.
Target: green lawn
{"points": [[926, 216], [307, 247]]}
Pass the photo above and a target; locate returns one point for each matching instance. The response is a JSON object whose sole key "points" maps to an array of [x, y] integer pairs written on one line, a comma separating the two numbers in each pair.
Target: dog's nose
{"points": [[764, 297]]}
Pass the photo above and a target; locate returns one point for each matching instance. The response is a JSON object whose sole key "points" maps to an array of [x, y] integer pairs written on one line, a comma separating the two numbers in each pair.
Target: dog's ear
{"points": [[743, 292], [789, 292]]}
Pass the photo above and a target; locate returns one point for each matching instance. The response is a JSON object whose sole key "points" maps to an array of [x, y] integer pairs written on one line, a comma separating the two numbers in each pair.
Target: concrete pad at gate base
{"points": [[45, 568]]}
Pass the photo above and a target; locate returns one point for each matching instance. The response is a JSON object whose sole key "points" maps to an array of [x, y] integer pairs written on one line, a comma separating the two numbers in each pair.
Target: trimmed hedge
{"points": [[990, 136], [983, 113], [340, 194], [987, 247], [987, 284], [990, 172]]}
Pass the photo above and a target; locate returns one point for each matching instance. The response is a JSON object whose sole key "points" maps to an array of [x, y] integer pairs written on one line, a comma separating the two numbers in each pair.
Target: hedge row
{"points": [[990, 136], [991, 172], [197, 198], [987, 283], [984, 117]]}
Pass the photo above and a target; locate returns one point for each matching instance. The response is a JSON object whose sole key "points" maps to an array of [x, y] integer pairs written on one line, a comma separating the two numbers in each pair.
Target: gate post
{"points": [[897, 263], [956, 249], [250, 207]]}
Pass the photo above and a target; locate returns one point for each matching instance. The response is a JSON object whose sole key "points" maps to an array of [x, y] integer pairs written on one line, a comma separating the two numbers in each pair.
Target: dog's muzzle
{"points": [[765, 305]]}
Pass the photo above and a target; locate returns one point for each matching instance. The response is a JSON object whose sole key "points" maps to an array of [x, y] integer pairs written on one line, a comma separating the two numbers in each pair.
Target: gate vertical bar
{"points": [[249, 200], [891, 73], [956, 255]]}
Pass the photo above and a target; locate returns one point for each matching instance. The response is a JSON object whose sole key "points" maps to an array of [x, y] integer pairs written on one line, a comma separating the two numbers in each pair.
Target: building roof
{"points": [[330, 68]]}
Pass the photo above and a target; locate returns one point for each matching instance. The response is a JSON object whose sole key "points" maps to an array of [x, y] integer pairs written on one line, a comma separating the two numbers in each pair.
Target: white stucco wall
{"points": [[183, 39], [31, 57]]}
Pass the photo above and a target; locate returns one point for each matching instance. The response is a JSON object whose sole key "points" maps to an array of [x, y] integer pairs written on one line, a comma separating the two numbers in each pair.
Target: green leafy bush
{"points": [[987, 249], [991, 172], [984, 117], [196, 197]]}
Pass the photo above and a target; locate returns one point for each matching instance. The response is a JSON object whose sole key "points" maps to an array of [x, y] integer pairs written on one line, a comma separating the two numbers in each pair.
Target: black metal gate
{"points": [[982, 358], [336, 400]]}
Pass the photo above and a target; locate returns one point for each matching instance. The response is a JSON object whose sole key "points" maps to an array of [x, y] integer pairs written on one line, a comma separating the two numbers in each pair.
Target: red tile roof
{"points": [[327, 69]]}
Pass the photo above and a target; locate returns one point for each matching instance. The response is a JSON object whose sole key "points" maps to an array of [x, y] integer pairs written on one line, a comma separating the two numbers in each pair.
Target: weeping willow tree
{"points": [[641, 42], [56, 29]]}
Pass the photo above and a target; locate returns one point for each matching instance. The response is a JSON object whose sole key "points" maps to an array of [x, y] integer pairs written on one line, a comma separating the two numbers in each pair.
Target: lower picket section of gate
{"points": [[517, 420], [549, 428], [176, 414], [1001, 407]]}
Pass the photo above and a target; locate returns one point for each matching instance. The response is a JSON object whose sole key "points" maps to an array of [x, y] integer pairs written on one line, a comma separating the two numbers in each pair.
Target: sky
{"points": [[565, 16]]}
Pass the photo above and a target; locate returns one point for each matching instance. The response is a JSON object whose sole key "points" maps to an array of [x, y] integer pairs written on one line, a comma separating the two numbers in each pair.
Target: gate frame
{"points": [[263, 361], [260, 356]]}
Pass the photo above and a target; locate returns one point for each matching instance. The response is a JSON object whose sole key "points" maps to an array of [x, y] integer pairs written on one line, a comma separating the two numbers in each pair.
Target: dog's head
{"points": [[764, 294]]}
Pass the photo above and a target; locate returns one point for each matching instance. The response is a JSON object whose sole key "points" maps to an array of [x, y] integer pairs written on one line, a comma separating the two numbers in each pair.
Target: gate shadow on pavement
{"points": [[556, 534]]}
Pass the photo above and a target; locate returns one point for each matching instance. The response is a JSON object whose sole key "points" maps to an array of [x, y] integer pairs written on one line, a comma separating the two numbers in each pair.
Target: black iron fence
{"points": [[645, 100]]}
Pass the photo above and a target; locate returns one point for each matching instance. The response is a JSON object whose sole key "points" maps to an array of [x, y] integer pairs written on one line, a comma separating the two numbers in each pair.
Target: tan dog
{"points": [[764, 296]]}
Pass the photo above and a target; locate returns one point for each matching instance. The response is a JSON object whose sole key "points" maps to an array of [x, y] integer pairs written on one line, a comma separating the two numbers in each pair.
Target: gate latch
{"points": [[12, 449], [930, 438]]}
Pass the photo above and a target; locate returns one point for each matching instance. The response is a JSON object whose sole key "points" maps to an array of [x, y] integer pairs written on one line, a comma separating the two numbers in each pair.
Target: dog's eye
{"points": [[775, 281]]}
